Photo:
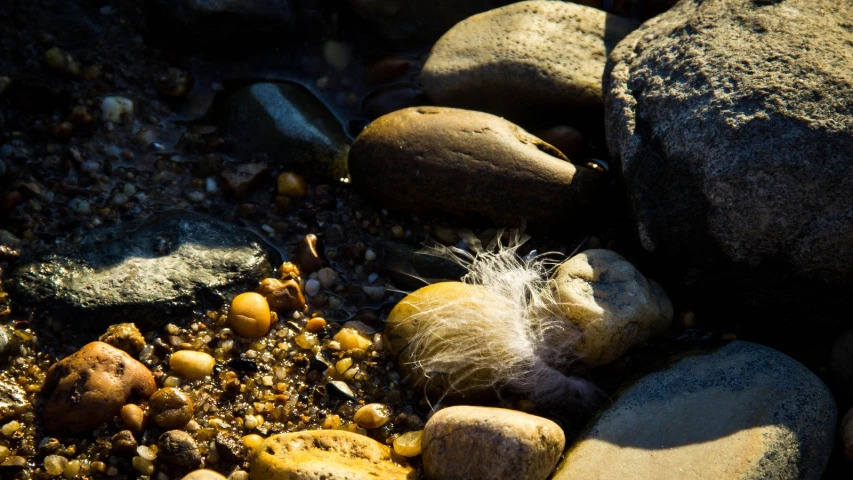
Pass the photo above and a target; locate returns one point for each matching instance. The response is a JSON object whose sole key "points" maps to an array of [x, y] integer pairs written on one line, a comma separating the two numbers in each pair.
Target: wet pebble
{"points": [[249, 315], [340, 389], [124, 442], [178, 448], [171, 408], [373, 415], [282, 294], [192, 365], [124, 336], [86, 389], [116, 109], [133, 417], [409, 444]]}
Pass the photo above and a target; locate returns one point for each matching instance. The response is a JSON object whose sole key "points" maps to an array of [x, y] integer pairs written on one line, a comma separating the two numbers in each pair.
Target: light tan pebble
{"points": [[171, 408], [55, 464], [10, 428], [116, 109], [4, 453], [327, 276], [249, 315], [350, 338], [143, 466], [203, 474], [315, 454], [124, 336], [192, 365], [72, 470], [291, 185], [315, 324], [331, 422], [343, 365], [409, 444], [252, 441], [372, 415], [239, 475]]}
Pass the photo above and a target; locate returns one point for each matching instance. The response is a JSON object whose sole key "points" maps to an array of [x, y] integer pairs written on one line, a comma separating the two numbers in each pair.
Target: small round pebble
{"points": [[171, 408], [203, 474], [372, 415], [249, 315], [291, 185], [192, 365], [312, 287], [315, 324], [409, 444], [143, 466], [252, 441], [55, 464], [123, 442]]}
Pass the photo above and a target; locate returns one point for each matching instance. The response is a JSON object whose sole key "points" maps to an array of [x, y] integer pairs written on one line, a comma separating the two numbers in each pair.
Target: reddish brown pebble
{"points": [[315, 324], [282, 294], [307, 254]]}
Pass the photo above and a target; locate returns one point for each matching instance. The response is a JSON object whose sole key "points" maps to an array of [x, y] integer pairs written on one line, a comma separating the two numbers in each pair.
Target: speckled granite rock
{"points": [[744, 411], [731, 122]]}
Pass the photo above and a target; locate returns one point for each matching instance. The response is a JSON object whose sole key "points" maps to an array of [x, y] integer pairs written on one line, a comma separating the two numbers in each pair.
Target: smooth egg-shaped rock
{"points": [[192, 365], [470, 164], [249, 315]]}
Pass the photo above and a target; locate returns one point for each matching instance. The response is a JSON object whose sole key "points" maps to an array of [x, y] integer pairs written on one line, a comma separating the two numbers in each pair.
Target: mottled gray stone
{"points": [[743, 411], [291, 125], [731, 121], [172, 263]]}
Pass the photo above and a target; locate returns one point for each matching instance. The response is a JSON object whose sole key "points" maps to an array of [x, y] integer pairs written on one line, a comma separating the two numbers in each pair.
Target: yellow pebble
{"points": [[306, 340], [249, 315], [349, 339], [192, 365], [343, 365], [315, 324], [133, 417], [331, 422], [292, 185], [372, 415], [409, 444], [252, 441]]}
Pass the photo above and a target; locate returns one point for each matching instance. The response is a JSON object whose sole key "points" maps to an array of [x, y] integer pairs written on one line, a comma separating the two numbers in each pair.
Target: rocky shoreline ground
{"points": [[491, 240]]}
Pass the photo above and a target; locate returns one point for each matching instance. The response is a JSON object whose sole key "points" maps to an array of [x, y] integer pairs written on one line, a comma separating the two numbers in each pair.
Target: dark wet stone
{"points": [[124, 442], [230, 448], [340, 390], [274, 118], [405, 265], [172, 263], [178, 448], [241, 365]]}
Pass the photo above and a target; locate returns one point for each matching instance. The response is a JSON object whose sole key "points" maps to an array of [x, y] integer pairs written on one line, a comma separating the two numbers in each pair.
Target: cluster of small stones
{"points": [[302, 373]]}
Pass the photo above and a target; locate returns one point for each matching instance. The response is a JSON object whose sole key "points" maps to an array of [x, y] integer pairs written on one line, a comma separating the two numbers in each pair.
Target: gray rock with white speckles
{"points": [[755, 411]]}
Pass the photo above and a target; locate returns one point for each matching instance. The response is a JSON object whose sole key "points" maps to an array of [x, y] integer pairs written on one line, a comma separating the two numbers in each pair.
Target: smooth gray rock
{"points": [[172, 263], [526, 61], [743, 411], [731, 121], [291, 125]]}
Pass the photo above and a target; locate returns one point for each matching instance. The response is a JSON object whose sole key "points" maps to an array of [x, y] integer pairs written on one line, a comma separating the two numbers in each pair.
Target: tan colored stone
{"points": [[87, 388], [191, 365], [470, 164], [203, 474], [124, 336], [612, 303], [744, 411], [326, 454], [525, 59], [490, 443]]}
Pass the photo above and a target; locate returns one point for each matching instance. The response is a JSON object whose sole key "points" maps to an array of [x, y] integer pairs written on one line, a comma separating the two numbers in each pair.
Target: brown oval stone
{"points": [[467, 163], [171, 408], [87, 388]]}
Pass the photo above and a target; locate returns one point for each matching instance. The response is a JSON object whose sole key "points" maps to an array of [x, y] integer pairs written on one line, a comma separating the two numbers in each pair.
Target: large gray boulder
{"points": [[731, 121], [169, 265], [743, 411]]}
